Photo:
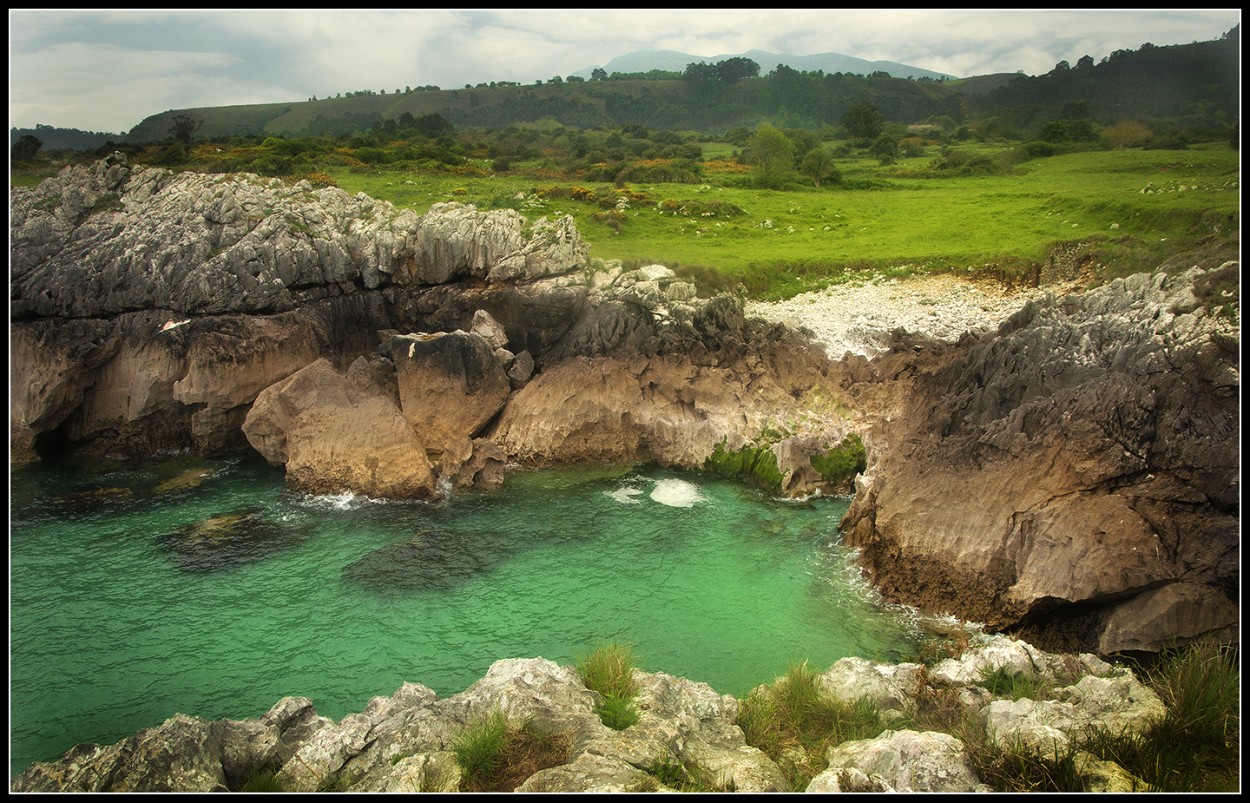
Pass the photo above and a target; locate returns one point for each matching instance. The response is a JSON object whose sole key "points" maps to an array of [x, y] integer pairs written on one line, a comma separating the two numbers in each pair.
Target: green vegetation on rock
{"points": [[795, 723], [757, 464], [609, 670], [842, 462]]}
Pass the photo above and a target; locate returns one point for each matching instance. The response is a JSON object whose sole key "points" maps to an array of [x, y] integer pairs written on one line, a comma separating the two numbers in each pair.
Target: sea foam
{"points": [[676, 493]]}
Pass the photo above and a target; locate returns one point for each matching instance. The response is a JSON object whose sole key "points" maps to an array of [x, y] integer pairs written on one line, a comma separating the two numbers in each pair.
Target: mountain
{"points": [[641, 61]]}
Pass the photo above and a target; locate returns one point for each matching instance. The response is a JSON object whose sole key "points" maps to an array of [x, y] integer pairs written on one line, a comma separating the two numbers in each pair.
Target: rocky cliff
{"points": [[1073, 475], [374, 350], [406, 742]]}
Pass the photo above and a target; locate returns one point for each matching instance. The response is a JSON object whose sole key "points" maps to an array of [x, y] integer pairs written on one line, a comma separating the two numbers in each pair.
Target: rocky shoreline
{"points": [[1065, 469], [405, 742]]}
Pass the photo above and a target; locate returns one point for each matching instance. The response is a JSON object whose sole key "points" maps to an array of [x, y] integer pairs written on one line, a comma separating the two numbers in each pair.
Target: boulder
{"points": [[906, 761], [451, 384], [338, 433]]}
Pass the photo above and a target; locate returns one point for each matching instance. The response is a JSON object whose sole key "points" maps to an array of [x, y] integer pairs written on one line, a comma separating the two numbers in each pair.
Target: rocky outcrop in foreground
{"points": [[404, 743]]}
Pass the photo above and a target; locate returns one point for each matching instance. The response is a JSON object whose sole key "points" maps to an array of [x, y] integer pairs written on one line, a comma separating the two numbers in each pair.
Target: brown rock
{"points": [[339, 433], [450, 385]]}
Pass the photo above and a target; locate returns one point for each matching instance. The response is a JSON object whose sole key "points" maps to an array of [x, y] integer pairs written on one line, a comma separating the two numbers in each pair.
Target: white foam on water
{"points": [[676, 493], [343, 501], [625, 495]]}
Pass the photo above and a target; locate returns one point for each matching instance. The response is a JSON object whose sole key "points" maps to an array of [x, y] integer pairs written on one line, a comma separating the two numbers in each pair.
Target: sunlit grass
{"points": [[804, 238]]}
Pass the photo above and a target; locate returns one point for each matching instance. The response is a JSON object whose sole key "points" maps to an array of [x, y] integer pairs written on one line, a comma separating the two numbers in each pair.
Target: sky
{"points": [[106, 70]]}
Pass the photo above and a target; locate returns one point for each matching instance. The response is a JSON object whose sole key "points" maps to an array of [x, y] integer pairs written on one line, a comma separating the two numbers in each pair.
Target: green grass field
{"points": [[905, 216]]}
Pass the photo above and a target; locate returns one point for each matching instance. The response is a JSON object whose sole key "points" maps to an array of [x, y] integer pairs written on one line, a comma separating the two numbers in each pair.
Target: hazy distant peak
{"points": [[676, 61]]}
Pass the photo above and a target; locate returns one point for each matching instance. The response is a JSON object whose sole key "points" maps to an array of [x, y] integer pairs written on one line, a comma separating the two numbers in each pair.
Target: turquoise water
{"points": [[123, 613]]}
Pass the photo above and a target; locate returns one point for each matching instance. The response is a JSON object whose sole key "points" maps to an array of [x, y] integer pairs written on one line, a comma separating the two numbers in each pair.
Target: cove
{"points": [[141, 590]]}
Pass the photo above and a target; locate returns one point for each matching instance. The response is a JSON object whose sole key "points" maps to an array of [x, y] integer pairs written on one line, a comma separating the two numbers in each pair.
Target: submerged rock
{"points": [[229, 540], [431, 560]]}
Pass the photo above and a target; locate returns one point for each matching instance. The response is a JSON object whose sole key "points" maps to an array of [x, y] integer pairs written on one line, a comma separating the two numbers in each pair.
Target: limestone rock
{"points": [[338, 433], [892, 688], [590, 773], [909, 761], [1082, 456], [450, 385]]}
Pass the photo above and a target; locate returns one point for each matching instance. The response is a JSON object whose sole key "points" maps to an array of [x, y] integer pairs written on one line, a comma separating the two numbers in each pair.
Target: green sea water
{"points": [[203, 587]]}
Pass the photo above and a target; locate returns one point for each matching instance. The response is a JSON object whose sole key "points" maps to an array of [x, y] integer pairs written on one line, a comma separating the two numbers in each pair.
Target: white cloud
{"points": [[107, 70]]}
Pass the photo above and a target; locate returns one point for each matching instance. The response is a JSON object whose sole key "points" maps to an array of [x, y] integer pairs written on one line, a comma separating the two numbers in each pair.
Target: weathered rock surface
{"points": [[404, 743], [1062, 473], [340, 433]]}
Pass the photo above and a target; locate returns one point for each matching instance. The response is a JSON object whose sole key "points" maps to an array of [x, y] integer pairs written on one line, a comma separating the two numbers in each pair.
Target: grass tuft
{"points": [[263, 780], [609, 670], [496, 755], [794, 723]]}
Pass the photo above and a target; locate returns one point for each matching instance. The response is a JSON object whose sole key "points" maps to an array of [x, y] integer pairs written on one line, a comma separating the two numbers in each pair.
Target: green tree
{"points": [[598, 74], [731, 71], [863, 121], [817, 164], [1054, 131], [772, 153], [25, 148], [184, 126], [885, 148]]}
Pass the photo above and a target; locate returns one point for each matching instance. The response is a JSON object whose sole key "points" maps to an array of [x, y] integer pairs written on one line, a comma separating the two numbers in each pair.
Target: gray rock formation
{"points": [[404, 743]]}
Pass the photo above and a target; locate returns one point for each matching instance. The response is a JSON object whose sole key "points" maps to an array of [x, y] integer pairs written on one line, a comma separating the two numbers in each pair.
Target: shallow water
{"points": [[221, 593]]}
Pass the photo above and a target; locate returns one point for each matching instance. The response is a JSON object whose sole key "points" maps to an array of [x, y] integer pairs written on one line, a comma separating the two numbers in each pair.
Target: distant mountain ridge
{"points": [[676, 61]]}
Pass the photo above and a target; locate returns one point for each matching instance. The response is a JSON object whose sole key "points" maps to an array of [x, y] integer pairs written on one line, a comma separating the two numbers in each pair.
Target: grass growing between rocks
{"points": [[496, 755], [609, 670], [681, 777], [263, 780], [1194, 748], [794, 723]]}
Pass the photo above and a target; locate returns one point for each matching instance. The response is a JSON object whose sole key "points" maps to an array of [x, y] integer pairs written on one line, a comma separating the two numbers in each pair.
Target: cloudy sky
{"points": [[106, 70]]}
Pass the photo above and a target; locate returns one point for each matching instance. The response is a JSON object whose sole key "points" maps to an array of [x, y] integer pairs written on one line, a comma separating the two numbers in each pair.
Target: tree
{"points": [[25, 148], [598, 74], [433, 125], [184, 126], [731, 71], [863, 121], [885, 148], [1054, 131], [818, 165], [772, 153]]}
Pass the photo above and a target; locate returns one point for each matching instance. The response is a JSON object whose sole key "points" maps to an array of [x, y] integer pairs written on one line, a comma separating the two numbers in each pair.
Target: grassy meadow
{"points": [[898, 218], [976, 208]]}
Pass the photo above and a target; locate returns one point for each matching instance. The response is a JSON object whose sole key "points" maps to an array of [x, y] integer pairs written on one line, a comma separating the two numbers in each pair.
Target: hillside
{"points": [[1195, 87]]}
